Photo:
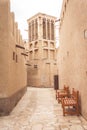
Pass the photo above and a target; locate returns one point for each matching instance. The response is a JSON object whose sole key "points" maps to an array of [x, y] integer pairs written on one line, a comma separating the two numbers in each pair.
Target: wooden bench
{"points": [[71, 105], [62, 93], [60, 90]]}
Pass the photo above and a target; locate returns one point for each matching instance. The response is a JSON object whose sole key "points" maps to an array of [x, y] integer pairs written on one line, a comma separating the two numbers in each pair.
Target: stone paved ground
{"points": [[38, 110]]}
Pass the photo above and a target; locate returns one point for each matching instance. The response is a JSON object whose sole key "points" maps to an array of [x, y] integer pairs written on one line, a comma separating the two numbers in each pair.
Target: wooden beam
{"points": [[28, 64], [24, 54], [18, 46]]}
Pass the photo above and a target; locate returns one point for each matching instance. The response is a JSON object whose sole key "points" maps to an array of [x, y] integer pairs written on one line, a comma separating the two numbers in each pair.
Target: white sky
{"points": [[24, 9]]}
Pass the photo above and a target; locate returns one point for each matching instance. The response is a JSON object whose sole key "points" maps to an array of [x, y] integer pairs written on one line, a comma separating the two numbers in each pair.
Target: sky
{"points": [[24, 9]]}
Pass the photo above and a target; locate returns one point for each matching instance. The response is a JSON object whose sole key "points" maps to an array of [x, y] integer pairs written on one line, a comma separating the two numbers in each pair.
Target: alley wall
{"points": [[73, 49]]}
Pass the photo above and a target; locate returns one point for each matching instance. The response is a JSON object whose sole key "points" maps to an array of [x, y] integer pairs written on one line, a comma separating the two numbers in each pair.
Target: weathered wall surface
{"points": [[12, 63], [73, 48], [43, 74]]}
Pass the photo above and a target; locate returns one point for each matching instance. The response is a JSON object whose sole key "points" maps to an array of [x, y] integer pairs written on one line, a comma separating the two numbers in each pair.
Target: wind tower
{"points": [[42, 50]]}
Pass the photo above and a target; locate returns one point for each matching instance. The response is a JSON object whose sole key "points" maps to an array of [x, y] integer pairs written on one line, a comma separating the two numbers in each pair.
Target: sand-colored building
{"points": [[12, 60], [42, 50], [73, 48]]}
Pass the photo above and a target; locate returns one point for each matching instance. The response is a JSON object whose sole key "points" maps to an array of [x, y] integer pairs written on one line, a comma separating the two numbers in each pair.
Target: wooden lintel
{"points": [[24, 54], [28, 64], [21, 47]]}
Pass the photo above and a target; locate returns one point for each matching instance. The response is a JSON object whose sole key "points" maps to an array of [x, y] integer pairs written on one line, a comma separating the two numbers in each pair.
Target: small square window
{"points": [[35, 66]]}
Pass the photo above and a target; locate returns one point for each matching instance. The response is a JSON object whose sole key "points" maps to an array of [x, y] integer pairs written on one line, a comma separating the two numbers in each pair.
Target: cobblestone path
{"points": [[39, 110]]}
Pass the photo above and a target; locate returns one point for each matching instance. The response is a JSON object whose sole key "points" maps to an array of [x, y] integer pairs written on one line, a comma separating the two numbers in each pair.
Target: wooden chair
{"points": [[62, 93], [71, 105]]}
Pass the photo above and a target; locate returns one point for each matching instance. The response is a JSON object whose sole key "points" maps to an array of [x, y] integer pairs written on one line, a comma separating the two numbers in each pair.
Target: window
{"points": [[44, 28], [35, 66], [13, 55]]}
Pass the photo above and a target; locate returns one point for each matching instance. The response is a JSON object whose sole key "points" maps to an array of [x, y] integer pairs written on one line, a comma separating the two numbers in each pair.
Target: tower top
{"points": [[42, 15]]}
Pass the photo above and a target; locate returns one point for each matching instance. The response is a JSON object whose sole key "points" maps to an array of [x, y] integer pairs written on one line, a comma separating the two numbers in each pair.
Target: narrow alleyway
{"points": [[38, 110]]}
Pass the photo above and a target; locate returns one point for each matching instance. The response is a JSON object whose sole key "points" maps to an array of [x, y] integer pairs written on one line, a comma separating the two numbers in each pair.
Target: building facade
{"points": [[73, 49], [12, 60], [42, 50]]}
